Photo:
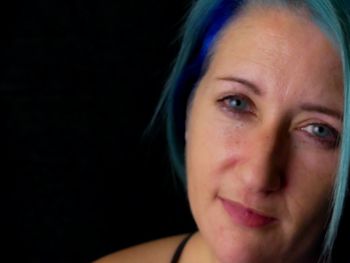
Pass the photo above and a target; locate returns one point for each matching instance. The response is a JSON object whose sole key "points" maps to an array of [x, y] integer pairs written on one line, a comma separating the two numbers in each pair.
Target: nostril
{"points": [[275, 184]]}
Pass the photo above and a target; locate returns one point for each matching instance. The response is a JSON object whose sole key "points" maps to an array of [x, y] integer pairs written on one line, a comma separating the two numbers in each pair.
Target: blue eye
{"points": [[237, 103], [319, 130], [323, 133]]}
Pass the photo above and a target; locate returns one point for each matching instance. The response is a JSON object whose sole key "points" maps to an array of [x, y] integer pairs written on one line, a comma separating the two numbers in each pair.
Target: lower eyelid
{"points": [[234, 112], [328, 143]]}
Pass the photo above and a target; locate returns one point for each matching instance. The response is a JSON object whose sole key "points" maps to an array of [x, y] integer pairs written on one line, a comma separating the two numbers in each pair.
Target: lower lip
{"points": [[245, 217]]}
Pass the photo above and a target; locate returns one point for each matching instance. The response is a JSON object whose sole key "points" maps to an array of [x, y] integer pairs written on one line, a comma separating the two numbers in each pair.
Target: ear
{"points": [[186, 135]]}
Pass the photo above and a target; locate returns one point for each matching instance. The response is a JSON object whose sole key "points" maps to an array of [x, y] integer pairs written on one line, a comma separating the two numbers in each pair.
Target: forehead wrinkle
{"points": [[282, 49], [258, 55], [278, 50]]}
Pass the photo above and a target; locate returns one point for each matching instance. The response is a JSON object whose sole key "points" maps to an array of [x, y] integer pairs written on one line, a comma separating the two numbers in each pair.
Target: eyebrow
{"points": [[244, 82], [322, 109]]}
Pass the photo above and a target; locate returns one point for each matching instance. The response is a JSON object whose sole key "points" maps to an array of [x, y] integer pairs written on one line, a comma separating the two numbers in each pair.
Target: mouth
{"points": [[245, 216]]}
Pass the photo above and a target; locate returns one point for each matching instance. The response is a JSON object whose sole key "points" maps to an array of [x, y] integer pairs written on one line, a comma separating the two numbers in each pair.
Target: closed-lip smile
{"points": [[245, 216]]}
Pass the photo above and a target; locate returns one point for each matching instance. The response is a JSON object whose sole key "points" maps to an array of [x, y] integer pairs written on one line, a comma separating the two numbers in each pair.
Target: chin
{"points": [[241, 252], [239, 246], [242, 249]]}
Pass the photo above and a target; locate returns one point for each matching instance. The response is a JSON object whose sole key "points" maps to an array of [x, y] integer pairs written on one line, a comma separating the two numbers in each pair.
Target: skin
{"points": [[265, 153], [276, 152]]}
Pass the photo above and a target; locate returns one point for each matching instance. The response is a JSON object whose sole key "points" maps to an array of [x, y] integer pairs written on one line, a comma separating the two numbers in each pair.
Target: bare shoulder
{"points": [[160, 250]]}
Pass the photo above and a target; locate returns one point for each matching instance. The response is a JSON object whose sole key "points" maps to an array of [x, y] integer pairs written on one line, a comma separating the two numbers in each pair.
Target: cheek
{"points": [[200, 157], [212, 148], [312, 174], [307, 195], [203, 150]]}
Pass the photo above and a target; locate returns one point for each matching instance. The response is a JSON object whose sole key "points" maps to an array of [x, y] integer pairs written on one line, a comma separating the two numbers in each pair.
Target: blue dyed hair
{"points": [[206, 19]]}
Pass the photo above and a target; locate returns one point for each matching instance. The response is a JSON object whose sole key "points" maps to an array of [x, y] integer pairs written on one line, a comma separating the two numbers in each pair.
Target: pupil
{"points": [[237, 103], [320, 130]]}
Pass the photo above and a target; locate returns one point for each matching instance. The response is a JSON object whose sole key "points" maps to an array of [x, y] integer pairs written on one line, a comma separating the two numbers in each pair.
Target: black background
{"points": [[80, 82]]}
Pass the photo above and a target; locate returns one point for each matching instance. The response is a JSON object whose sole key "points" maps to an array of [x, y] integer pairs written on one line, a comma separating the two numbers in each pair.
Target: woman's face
{"points": [[262, 139]]}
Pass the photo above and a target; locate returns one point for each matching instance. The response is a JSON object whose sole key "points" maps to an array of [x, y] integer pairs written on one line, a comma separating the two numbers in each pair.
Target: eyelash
{"points": [[225, 104], [332, 142]]}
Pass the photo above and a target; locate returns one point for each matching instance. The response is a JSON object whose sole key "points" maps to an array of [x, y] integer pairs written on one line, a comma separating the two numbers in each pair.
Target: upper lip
{"points": [[255, 211]]}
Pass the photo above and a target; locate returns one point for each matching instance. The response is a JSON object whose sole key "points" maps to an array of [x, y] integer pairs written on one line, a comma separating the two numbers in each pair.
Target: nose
{"points": [[264, 168]]}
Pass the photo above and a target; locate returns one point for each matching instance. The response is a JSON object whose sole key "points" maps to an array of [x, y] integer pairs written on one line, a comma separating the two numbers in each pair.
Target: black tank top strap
{"points": [[180, 248]]}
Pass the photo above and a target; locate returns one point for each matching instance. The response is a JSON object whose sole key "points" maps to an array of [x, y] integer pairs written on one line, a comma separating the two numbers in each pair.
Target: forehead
{"points": [[277, 44]]}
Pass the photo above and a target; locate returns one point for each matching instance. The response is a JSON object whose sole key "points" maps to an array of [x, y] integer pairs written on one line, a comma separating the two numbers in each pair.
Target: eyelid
{"points": [[250, 103], [329, 142]]}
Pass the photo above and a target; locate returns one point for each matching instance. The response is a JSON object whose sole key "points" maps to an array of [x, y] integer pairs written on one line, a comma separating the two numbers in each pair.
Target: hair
{"points": [[206, 20]]}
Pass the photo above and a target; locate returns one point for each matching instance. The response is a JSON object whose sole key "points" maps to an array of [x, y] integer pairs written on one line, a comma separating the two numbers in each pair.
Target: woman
{"points": [[256, 120]]}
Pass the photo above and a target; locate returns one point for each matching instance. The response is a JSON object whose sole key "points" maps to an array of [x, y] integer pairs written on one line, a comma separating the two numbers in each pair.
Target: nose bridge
{"points": [[264, 168]]}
